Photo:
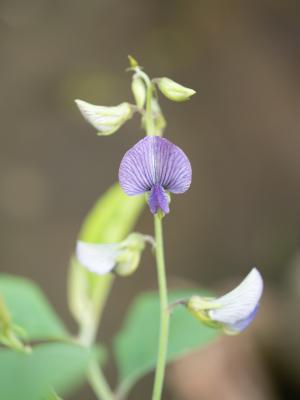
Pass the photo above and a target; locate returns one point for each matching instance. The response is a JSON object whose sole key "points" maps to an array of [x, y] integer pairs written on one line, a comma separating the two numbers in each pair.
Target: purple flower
{"points": [[156, 166]]}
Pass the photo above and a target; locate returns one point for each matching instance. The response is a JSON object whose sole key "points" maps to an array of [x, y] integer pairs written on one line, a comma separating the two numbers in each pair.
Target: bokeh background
{"points": [[241, 133]]}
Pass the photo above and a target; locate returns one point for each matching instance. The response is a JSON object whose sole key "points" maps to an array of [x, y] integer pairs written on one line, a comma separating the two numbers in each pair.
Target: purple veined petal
{"points": [[136, 173], [238, 307], [155, 162], [173, 168], [98, 258]]}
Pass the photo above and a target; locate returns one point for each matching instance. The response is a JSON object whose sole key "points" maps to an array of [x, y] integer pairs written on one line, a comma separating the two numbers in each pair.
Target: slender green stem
{"points": [[150, 127], [98, 382], [164, 313]]}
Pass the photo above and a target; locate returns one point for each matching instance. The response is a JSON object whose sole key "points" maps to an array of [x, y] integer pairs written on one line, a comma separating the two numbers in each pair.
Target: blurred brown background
{"points": [[241, 133]]}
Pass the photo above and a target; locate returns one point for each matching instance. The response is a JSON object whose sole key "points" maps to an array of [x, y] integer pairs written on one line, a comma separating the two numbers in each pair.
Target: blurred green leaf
{"points": [[29, 308], [53, 396], [10, 333], [136, 344], [31, 376], [112, 217]]}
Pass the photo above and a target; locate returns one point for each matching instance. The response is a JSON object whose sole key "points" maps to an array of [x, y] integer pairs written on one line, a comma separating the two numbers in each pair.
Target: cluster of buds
{"points": [[108, 120]]}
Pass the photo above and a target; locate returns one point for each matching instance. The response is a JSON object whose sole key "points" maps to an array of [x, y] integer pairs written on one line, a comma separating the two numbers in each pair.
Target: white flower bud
{"points": [[173, 90], [122, 258], [139, 91], [106, 120], [234, 311]]}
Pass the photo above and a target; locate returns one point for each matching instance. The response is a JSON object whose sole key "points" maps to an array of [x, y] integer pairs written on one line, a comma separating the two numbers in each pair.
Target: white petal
{"points": [[238, 304], [98, 258], [105, 119]]}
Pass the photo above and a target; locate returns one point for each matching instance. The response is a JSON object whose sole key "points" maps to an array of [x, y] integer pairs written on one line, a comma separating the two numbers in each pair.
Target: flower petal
{"points": [[137, 172], [158, 199], [241, 325], [98, 258], [106, 120], [154, 161], [239, 306]]}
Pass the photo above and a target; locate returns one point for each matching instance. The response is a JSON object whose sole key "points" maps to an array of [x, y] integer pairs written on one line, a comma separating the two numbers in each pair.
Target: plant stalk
{"points": [[98, 382], [164, 313], [150, 126]]}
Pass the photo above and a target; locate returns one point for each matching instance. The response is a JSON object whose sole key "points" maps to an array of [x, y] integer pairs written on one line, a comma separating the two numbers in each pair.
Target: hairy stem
{"points": [[164, 313]]}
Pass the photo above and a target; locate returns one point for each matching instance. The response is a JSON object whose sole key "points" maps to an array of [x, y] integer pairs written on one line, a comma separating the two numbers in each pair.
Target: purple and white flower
{"points": [[155, 166], [234, 311]]}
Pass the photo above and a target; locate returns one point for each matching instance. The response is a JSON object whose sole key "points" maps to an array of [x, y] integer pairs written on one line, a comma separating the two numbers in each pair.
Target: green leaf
{"points": [[53, 396], [136, 344], [10, 333], [112, 217], [31, 376], [29, 308]]}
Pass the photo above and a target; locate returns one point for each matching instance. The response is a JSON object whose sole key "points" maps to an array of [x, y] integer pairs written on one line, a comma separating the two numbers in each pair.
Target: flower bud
{"points": [[139, 90], [129, 258], [122, 258], [106, 120], [234, 311], [132, 62], [174, 91]]}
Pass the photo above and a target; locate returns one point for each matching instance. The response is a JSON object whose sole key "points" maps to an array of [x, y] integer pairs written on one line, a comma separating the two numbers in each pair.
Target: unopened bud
{"points": [[233, 312], [139, 91], [173, 90], [106, 120], [122, 258], [132, 62]]}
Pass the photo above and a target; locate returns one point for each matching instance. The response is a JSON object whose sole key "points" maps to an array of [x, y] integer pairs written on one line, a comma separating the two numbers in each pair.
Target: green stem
{"points": [[98, 382], [164, 314], [150, 127]]}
